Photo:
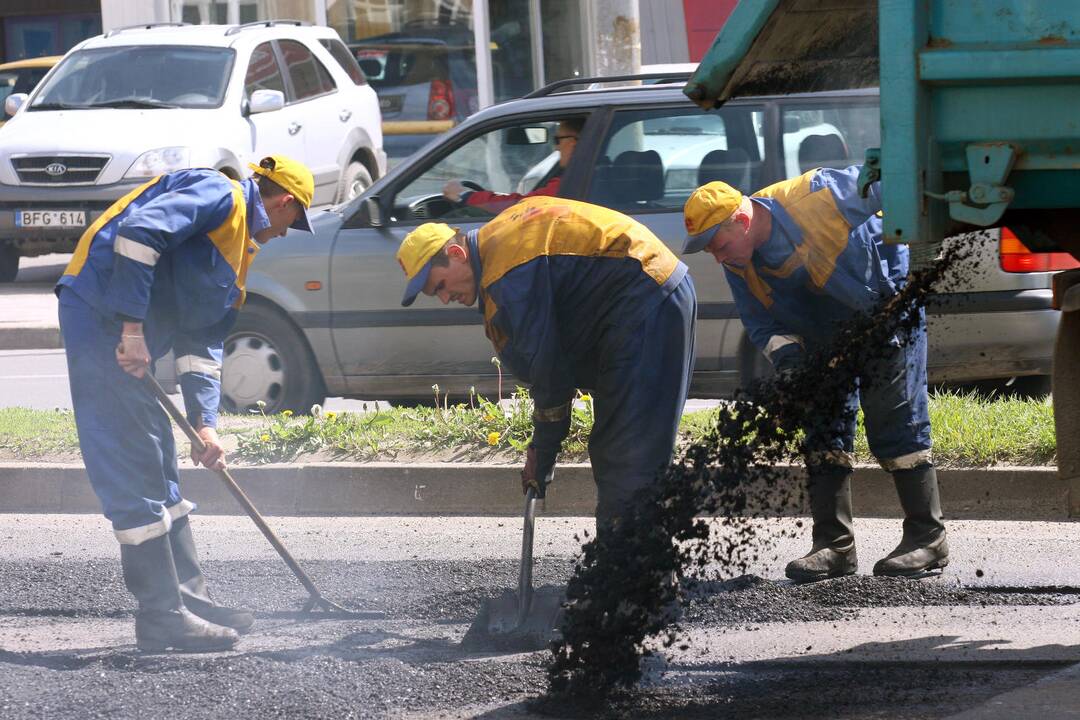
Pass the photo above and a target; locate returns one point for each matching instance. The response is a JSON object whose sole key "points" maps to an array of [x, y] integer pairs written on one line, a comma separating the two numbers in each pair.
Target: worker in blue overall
{"points": [[575, 296], [163, 269], [802, 256]]}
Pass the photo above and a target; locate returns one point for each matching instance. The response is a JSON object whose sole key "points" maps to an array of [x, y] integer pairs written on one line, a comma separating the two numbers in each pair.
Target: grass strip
{"points": [[968, 431]]}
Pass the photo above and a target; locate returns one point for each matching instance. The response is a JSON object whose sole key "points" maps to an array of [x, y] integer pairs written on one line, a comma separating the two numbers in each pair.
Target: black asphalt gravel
{"points": [[412, 661]]}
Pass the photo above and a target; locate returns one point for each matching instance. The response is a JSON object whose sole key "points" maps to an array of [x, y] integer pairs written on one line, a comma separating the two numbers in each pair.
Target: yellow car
{"points": [[22, 76]]}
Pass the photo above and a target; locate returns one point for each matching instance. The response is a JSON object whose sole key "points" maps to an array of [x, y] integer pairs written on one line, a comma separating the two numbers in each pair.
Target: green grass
{"points": [[968, 430], [35, 434]]}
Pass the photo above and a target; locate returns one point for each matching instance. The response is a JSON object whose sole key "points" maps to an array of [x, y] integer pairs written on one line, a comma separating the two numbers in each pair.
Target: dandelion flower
{"points": [[586, 398], [489, 417], [493, 438], [261, 404], [330, 415], [286, 413], [264, 437], [316, 411]]}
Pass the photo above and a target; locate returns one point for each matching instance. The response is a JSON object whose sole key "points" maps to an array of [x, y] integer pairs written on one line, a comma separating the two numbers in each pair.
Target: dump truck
{"points": [[979, 126]]}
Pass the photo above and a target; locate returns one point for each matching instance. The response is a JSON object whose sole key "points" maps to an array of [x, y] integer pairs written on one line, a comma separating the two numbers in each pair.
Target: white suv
{"points": [[137, 102]]}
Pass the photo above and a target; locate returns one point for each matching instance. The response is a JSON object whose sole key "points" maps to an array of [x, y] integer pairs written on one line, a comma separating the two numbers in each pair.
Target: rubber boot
{"points": [[924, 546], [833, 551], [193, 590], [162, 621]]}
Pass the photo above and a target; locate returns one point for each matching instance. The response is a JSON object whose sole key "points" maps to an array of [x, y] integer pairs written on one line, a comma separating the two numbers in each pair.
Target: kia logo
{"points": [[55, 169]]}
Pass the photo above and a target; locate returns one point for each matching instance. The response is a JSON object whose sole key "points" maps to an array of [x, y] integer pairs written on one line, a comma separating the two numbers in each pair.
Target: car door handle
{"points": [[344, 115], [294, 128]]}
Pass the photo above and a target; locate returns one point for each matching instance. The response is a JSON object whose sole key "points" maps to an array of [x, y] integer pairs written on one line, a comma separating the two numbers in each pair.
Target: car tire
{"points": [[752, 364], [267, 358], [354, 181], [9, 263]]}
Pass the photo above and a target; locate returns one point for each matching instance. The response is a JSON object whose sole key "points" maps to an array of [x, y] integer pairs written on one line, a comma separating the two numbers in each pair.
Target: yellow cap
{"points": [[707, 207], [296, 180], [416, 252]]}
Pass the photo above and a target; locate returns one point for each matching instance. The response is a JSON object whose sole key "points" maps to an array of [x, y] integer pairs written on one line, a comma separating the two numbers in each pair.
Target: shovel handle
{"points": [[234, 488], [525, 585]]}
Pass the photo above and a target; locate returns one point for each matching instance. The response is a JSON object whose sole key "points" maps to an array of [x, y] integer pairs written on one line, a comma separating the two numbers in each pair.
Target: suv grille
{"points": [[59, 169]]}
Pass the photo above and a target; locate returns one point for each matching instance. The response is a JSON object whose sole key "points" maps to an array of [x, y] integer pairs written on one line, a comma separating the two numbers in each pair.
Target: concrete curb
{"points": [[30, 338], [475, 489]]}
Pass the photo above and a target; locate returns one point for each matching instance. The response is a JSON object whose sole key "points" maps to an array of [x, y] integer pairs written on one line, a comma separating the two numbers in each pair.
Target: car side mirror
{"points": [[266, 101], [370, 212], [14, 102]]}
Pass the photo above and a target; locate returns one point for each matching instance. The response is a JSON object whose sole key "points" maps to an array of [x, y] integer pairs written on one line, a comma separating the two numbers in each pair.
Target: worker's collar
{"points": [[257, 218], [473, 244], [784, 235]]}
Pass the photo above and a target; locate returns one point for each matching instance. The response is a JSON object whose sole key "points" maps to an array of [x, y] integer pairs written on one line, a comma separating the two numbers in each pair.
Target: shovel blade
{"points": [[499, 625]]}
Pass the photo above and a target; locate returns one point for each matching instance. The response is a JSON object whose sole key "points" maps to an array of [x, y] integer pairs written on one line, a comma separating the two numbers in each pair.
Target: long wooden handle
{"points": [[236, 490]]}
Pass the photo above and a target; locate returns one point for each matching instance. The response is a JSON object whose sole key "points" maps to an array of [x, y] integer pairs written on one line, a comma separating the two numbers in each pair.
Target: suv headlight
{"points": [[158, 162]]}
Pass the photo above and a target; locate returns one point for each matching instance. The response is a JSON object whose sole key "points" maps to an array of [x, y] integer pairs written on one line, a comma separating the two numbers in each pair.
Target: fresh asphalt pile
{"points": [[624, 589]]}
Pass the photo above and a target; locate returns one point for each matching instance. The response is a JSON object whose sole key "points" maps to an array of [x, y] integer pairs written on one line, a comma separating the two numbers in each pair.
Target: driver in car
{"points": [[566, 137]]}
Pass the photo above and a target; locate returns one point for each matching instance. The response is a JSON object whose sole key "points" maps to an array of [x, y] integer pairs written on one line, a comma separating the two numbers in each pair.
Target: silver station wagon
{"points": [[323, 316]]}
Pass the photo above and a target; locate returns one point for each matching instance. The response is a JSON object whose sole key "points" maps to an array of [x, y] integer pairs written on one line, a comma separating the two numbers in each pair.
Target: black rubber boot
{"points": [[924, 546], [193, 590], [833, 552], [162, 622]]}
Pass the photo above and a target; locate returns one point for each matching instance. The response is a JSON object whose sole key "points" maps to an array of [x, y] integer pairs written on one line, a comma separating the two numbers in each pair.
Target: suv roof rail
{"points": [[558, 84], [264, 23], [144, 26]]}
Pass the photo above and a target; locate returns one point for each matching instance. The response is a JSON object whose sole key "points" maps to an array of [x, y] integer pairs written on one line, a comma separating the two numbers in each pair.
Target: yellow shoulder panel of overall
{"points": [[232, 240], [757, 287], [82, 250], [539, 226], [825, 231]]}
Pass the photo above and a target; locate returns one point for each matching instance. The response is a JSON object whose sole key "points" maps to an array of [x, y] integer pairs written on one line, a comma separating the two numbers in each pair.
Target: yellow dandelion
{"points": [[264, 437], [586, 398], [286, 413], [493, 438], [489, 417], [330, 415]]}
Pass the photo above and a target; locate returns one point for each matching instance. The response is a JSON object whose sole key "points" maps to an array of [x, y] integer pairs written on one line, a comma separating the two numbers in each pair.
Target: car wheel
{"points": [[9, 263], [267, 359], [354, 181]]}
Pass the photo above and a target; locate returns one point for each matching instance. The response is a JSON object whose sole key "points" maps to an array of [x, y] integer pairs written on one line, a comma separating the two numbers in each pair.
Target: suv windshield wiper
{"points": [[55, 106], [131, 102]]}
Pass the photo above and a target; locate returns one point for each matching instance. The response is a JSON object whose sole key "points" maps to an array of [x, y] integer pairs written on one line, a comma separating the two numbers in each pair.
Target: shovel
{"points": [[528, 619], [316, 598]]}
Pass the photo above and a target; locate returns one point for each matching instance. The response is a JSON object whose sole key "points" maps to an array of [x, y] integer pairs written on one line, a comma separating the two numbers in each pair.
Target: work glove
{"points": [[538, 466]]}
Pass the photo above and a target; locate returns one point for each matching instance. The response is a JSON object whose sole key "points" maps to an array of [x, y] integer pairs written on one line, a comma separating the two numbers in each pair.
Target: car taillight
{"points": [[1017, 258], [440, 104]]}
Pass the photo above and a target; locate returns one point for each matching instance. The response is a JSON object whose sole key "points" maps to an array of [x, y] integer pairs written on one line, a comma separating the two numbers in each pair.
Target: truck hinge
{"points": [[985, 201]]}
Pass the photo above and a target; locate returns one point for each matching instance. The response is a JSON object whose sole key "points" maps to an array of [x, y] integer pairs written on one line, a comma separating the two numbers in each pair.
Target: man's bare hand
{"points": [[452, 190], [132, 354], [213, 456]]}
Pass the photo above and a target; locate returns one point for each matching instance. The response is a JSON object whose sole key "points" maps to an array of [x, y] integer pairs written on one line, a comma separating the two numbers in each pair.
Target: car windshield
{"points": [[146, 76]]}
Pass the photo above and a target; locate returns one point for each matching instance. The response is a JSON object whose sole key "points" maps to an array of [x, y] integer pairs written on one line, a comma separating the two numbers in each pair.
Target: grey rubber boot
{"points": [[162, 622], [193, 590], [924, 546], [833, 551]]}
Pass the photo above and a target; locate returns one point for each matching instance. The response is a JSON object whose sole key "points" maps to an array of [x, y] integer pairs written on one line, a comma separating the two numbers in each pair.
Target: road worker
{"points": [[575, 296], [801, 257], [163, 269]]}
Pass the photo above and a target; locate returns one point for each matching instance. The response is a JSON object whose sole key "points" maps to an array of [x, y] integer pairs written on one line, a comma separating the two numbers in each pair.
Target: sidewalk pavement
{"points": [[425, 489], [28, 317]]}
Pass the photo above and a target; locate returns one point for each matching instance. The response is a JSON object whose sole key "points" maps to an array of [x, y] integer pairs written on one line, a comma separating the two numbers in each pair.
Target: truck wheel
{"points": [[267, 359], [354, 181], [9, 263]]}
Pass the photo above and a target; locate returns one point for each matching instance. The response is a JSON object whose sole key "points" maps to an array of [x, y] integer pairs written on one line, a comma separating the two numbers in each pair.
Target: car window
{"points": [[510, 159], [345, 59], [309, 77], [654, 159], [828, 134], [263, 72], [140, 76]]}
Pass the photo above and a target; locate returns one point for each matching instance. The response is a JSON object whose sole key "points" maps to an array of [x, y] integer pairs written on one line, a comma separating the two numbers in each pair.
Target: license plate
{"points": [[50, 218]]}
